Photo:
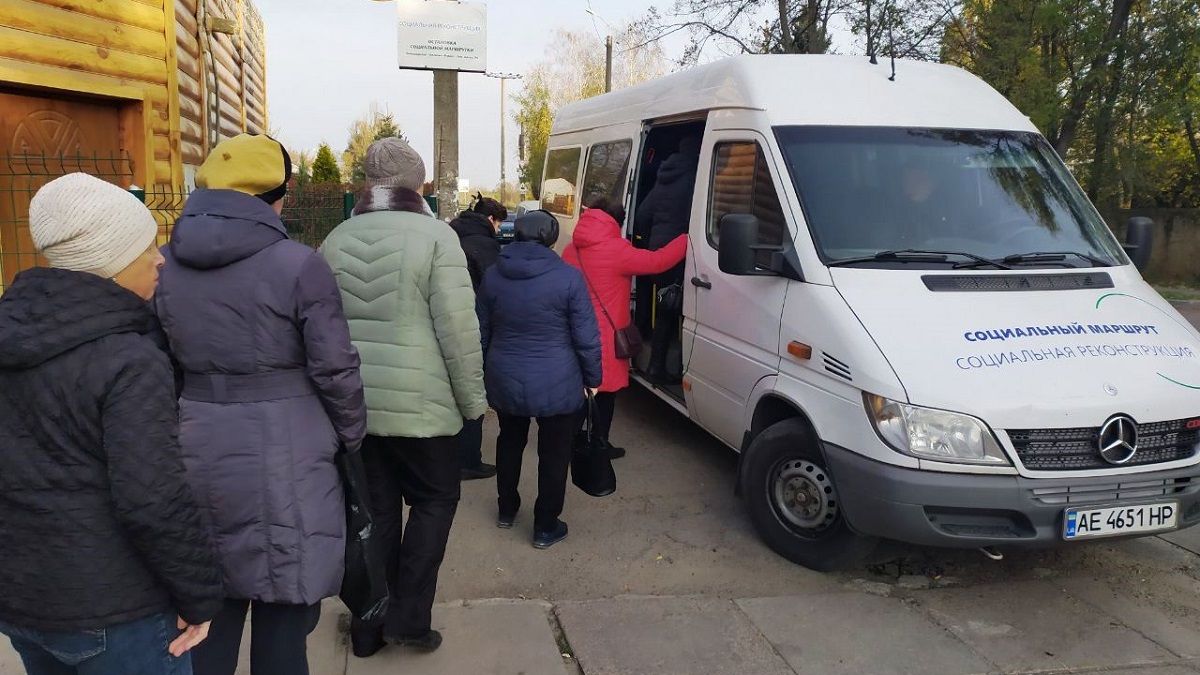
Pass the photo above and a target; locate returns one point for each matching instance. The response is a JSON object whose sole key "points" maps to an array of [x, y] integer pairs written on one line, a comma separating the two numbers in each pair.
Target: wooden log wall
{"points": [[226, 71], [151, 55]]}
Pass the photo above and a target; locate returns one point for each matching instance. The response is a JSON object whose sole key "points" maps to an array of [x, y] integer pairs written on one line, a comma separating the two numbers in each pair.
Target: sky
{"points": [[328, 60]]}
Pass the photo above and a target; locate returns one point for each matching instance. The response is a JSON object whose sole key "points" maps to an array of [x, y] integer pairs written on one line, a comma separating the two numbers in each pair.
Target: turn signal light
{"points": [[800, 350]]}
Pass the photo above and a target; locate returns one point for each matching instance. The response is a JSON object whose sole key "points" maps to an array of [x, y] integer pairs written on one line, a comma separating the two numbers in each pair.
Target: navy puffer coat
{"points": [[540, 340]]}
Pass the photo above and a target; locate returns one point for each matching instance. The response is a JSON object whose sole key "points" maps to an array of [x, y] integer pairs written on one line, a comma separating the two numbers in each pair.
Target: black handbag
{"points": [[627, 341], [670, 299], [591, 467], [364, 586]]}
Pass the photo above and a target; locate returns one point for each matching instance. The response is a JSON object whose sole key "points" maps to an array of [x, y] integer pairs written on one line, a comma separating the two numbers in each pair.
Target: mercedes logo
{"points": [[1118, 439]]}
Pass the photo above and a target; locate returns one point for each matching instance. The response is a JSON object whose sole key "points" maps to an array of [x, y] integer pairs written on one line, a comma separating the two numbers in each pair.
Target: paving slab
{"points": [[666, 636], [1175, 628], [1153, 670], [482, 637], [1188, 539], [1035, 625], [851, 633], [10, 663]]}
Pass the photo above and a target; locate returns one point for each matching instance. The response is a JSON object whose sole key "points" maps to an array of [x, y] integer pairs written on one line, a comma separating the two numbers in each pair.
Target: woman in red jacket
{"points": [[609, 263]]}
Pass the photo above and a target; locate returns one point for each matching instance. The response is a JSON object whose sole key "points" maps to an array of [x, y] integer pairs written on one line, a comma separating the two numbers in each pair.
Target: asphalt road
{"points": [[675, 527]]}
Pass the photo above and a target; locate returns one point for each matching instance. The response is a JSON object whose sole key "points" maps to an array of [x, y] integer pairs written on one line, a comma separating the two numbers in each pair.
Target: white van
{"points": [[900, 308]]}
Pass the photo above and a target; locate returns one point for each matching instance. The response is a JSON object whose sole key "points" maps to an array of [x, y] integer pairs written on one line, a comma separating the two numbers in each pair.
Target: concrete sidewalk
{"points": [[1067, 626]]}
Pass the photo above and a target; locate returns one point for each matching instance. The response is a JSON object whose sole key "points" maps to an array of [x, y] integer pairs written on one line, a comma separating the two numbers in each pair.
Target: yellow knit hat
{"points": [[250, 163]]}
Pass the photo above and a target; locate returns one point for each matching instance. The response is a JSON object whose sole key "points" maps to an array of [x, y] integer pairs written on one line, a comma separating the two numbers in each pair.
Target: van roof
{"points": [[806, 89]]}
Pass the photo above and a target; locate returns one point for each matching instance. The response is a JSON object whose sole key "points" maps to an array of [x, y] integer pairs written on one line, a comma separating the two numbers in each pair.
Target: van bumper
{"points": [[958, 510]]}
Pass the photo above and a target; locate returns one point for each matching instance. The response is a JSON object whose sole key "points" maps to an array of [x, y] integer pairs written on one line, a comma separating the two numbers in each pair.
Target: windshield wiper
{"points": [[1050, 257], [912, 255]]}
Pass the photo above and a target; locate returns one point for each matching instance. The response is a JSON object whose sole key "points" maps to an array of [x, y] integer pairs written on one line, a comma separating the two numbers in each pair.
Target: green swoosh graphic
{"points": [[1160, 309]]}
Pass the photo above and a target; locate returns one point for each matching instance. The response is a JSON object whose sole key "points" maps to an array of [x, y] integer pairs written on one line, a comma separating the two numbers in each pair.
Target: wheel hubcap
{"points": [[803, 495]]}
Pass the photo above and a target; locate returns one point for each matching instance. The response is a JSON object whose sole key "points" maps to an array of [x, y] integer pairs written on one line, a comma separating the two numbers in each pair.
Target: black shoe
{"points": [[427, 642], [479, 472], [505, 522], [544, 540], [657, 374], [364, 644], [613, 451]]}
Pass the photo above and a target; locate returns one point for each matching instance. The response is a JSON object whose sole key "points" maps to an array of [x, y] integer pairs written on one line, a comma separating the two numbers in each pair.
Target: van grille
{"points": [[1078, 449], [1003, 283], [1064, 495]]}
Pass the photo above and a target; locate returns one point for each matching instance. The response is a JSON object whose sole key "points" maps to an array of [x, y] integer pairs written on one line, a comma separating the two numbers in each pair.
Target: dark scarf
{"points": [[390, 198]]}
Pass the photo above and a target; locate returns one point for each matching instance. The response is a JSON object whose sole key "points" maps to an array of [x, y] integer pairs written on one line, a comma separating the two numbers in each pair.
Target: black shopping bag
{"points": [[591, 467], [364, 587]]}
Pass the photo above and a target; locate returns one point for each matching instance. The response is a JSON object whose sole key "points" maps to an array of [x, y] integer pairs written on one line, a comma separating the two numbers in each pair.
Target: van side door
{"points": [[731, 323]]}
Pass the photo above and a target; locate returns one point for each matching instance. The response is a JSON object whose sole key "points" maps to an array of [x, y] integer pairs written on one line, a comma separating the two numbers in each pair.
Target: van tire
{"points": [[784, 464]]}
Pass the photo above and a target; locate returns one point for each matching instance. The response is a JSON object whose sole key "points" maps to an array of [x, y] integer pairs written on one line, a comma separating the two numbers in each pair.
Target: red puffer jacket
{"points": [[609, 263]]}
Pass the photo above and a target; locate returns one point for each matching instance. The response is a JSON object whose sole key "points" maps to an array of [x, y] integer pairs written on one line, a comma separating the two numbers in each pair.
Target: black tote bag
{"points": [[591, 467], [364, 587]]}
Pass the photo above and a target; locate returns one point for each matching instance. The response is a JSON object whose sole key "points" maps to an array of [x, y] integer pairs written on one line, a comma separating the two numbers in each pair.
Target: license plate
{"points": [[1119, 520]]}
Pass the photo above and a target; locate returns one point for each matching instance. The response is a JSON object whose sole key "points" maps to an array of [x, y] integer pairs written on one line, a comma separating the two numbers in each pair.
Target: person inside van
{"points": [[665, 213], [608, 263], [542, 348], [477, 228]]}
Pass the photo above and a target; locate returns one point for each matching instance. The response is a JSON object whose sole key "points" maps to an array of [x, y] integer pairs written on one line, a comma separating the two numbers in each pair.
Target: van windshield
{"points": [[892, 197]]}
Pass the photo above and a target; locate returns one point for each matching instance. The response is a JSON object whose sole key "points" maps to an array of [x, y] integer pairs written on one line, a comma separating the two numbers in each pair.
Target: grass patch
{"points": [[1179, 293]]}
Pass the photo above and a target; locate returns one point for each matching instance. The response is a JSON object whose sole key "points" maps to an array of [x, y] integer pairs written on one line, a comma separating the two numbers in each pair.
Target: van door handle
{"points": [[700, 282]]}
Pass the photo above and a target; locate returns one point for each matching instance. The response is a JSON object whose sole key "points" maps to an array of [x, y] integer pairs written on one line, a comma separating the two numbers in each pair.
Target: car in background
{"points": [[507, 228]]}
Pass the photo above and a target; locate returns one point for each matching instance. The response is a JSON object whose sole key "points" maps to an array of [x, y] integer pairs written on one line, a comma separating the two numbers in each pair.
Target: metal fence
{"points": [[21, 176], [309, 211]]}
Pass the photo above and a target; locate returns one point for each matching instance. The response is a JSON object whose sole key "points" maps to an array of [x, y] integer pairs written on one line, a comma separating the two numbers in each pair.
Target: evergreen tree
{"points": [[324, 167]]}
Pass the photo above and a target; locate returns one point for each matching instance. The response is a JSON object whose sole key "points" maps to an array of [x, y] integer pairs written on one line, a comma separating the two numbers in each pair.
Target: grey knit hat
{"points": [[81, 223], [393, 162]]}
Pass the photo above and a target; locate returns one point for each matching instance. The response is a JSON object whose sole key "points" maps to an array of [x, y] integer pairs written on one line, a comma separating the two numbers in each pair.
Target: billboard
{"points": [[443, 35]]}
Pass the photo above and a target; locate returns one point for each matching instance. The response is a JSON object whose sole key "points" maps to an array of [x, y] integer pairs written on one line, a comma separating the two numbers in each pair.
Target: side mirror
{"points": [[737, 235], [1139, 241]]}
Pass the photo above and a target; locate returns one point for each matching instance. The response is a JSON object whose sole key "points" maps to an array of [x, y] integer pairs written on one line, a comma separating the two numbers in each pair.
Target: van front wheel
{"points": [[793, 501]]}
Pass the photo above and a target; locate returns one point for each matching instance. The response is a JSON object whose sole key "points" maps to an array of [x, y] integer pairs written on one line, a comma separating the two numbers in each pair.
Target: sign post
{"points": [[447, 37]]}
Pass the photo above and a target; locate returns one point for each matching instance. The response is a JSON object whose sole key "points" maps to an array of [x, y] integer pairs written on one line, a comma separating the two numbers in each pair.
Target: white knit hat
{"points": [[82, 223]]}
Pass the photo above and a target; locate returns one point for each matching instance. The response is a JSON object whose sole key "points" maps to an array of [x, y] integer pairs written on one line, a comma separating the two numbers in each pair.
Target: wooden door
{"points": [[42, 138]]}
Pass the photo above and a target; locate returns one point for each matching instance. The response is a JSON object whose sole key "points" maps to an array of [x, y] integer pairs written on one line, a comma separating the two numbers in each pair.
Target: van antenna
{"points": [[891, 41]]}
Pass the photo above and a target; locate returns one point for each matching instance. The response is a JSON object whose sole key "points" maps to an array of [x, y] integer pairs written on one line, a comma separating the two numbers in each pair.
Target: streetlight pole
{"points": [[503, 176], [608, 49]]}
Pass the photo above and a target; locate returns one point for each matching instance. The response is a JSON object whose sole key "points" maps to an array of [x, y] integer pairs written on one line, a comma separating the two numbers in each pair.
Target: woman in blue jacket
{"points": [[542, 351]]}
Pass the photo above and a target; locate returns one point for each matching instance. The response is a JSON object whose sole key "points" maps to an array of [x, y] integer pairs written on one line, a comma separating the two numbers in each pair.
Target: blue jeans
{"points": [[134, 648]]}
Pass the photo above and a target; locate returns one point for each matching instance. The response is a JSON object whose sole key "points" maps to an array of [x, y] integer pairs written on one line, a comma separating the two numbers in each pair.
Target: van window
{"points": [[562, 172], [1002, 195], [741, 183], [607, 170]]}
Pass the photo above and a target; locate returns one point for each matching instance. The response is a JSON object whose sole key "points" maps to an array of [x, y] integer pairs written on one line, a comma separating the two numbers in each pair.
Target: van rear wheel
{"points": [[793, 500]]}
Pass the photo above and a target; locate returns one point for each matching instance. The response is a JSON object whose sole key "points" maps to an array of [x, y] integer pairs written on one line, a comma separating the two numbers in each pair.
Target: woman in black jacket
{"points": [[107, 567], [477, 230]]}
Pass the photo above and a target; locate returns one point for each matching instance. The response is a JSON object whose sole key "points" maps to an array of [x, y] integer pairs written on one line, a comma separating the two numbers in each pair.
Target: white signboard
{"points": [[443, 35]]}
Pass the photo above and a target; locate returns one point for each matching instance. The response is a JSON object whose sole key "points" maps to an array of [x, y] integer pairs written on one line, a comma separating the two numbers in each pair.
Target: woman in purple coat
{"points": [[271, 389]]}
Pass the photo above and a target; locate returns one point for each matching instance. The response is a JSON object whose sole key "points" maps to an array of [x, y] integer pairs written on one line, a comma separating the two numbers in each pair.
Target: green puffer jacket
{"points": [[408, 297]]}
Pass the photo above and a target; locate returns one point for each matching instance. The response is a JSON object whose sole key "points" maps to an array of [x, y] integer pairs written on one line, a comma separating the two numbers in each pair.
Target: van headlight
{"points": [[933, 434]]}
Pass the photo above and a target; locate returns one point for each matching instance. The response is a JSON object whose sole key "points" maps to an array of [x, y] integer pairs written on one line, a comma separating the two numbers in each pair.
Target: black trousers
{"points": [[554, 458], [423, 472], [278, 639], [470, 444], [602, 415]]}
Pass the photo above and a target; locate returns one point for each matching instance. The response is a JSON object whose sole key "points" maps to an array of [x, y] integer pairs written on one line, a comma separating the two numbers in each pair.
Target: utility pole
{"points": [[608, 44], [445, 141], [503, 149]]}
